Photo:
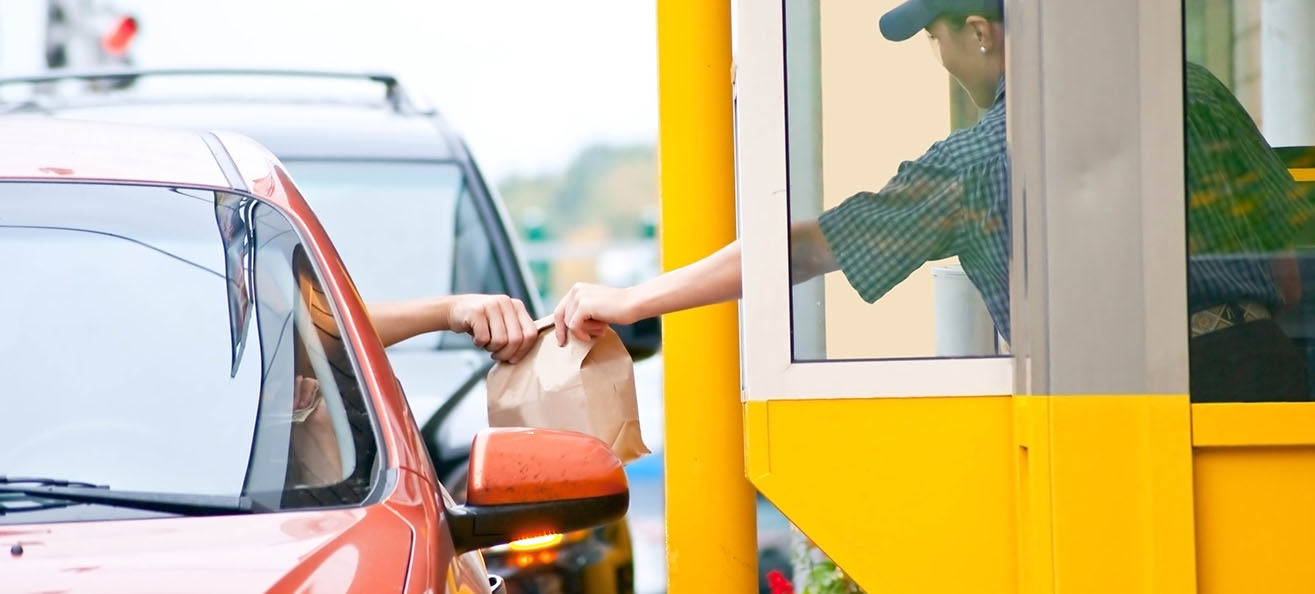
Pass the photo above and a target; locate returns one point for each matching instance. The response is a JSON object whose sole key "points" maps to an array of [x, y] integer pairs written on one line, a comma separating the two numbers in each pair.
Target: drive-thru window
{"points": [[1084, 364]]}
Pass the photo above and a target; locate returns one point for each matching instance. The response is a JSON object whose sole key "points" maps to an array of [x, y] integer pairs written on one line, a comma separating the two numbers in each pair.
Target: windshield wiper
{"points": [[173, 503]]}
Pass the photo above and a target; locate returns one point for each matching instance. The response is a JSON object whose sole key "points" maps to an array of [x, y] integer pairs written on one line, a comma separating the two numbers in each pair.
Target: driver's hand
{"points": [[305, 398], [499, 324]]}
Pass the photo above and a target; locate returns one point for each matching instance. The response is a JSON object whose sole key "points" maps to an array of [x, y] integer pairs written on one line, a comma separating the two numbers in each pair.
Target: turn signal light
{"points": [[536, 543]]}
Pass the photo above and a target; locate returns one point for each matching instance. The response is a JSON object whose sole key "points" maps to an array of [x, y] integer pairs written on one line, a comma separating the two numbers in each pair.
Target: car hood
{"points": [[353, 550]]}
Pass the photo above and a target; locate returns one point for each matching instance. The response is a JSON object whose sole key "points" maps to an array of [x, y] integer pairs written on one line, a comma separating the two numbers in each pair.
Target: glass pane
{"points": [[315, 429], [474, 268], [915, 219], [392, 223], [122, 369], [1250, 125], [371, 209]]}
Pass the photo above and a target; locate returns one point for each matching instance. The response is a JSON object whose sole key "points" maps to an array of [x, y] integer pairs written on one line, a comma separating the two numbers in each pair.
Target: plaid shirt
{"points": [[1243, 205], [954, 200]]}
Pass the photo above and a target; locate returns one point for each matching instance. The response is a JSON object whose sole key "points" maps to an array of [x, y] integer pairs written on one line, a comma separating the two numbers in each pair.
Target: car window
{"points": [[475, 268], [405, 231], [391, 222], [122, 368]]}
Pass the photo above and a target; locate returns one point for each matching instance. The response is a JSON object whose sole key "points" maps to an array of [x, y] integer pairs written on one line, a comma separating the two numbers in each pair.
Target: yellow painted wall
{"points": [[1254, 475], [1029, 494], [907, 494], [1255, 517], [882, 103]]}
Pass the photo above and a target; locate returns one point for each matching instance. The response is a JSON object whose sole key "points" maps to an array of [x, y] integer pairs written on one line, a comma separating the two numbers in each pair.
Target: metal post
{"points": [[711, 536]]}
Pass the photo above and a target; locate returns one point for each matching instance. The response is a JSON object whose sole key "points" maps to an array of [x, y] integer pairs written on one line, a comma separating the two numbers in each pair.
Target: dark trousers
{"points": [[1252, 362]]}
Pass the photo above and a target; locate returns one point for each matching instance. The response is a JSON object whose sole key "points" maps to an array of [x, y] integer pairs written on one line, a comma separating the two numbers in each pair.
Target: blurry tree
{"points": [[613, 188], [575, 220]]}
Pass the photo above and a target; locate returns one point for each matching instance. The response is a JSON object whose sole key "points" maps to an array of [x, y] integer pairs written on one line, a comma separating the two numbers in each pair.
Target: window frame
{"points": [[1094, 316], [770, 369], [286, 500]]}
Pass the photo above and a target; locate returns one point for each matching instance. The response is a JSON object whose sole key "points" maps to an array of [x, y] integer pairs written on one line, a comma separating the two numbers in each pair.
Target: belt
{"points": [[1233, 313]]}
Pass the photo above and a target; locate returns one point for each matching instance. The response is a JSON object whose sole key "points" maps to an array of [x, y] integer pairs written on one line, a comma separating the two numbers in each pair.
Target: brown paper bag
{"points": [[588, 387]]}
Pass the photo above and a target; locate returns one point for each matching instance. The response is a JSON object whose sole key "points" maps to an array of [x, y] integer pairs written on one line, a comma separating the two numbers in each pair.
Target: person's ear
{"points": [[983, 34]]}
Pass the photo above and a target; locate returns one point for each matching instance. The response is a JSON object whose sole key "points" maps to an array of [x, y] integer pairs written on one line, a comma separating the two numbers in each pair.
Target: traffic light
{"points": [[117, 39], [88, 35], [58, 34]]}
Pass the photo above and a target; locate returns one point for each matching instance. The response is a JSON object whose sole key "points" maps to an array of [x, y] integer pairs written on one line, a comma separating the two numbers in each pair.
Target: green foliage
{"points": [[826, 578], [613, 187]]}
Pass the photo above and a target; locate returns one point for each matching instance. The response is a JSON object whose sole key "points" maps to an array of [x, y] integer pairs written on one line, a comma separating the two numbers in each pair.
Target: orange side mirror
{"points": [[539, 466], [530, 482]]}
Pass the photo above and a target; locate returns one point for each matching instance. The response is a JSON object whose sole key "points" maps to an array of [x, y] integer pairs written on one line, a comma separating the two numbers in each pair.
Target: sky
{"points": [[528, 82]]}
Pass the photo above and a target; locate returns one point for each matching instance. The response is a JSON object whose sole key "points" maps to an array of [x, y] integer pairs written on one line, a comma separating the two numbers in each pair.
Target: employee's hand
{"points": [[587, 309], [499, 324]]}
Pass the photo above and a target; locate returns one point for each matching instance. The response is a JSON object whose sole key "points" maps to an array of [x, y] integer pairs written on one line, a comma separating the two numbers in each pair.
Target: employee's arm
{"points": [[810, 255], [588, 308]]}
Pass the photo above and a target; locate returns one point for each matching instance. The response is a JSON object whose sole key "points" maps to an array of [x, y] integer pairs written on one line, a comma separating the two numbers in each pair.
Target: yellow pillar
{"points": [[711, 535]]}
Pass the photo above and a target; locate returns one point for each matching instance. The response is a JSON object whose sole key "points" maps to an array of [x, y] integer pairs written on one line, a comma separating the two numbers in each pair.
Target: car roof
{"points": [[54, 149], [44, 148], [295, 113], [291, 129]]}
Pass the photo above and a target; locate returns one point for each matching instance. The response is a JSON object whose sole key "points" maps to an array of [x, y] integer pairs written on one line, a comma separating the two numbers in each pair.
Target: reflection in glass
{"points": [[313, 417], [120, 369], [1249, 268], [231, 214]]}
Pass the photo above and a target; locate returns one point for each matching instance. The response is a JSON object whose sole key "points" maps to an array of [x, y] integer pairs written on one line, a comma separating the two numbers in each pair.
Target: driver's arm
{"points": [[497, 323]]}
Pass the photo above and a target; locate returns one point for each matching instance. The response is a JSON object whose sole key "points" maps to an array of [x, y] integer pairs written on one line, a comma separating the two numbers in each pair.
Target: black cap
{"points": [[904, 21]]}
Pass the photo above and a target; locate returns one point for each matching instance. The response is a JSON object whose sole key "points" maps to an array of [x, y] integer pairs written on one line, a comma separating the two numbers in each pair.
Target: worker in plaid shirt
{"points": [[954, 201], [1245, 213]]}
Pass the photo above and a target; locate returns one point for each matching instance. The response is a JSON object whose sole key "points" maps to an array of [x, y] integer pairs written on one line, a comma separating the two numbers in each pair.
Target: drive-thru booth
{"points": [[911, 440]]}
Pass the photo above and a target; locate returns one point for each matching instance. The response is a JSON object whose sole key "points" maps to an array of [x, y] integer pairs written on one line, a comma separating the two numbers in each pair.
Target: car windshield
{"points": [[174, 340], [405, 230]]}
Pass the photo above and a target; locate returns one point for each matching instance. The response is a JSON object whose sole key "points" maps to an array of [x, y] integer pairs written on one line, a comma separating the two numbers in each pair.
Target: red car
{"points": [[195, 399]]}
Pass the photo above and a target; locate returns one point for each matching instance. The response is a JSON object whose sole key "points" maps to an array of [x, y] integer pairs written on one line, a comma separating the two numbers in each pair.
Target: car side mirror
{"points": [[643, 339], [531, 482]]}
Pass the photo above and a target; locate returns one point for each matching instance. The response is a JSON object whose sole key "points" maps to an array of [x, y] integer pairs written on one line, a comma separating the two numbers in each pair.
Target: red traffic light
{"points": [[116, 40]]}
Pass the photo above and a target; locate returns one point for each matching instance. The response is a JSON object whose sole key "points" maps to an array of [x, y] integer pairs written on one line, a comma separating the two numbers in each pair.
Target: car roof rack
{"points": [[394, 93]]}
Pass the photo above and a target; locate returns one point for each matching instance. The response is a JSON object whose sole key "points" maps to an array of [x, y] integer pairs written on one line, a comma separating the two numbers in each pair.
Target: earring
{"points": [[983, 49]]}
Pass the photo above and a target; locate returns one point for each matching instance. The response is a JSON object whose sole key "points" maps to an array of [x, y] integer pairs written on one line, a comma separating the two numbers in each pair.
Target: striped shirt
{"points": [[954, 201]]}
